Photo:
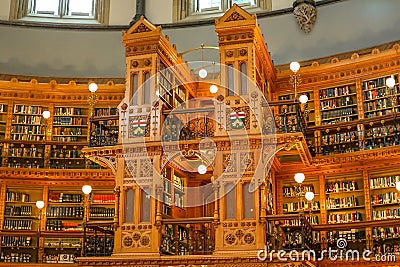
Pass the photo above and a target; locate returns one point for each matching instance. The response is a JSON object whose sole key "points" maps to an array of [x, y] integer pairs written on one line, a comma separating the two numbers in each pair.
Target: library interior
{"points": [[211, 156]]}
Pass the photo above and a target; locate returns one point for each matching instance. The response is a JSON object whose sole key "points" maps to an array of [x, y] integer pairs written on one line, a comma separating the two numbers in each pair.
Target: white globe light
{"points": [[213, 89], [93, 87], [390, 82], [309, 196], [299, 177], [46, 114], [303, 99], [40, 204], [86, 189], [295, 66], [203, 73], [398, 186], [202, 169]]}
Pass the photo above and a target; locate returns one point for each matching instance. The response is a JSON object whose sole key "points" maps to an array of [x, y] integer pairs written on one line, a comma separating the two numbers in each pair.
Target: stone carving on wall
{"points": [[305, 12]]}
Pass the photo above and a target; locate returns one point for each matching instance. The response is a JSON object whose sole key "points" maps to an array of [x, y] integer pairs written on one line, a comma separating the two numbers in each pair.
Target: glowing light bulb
{"points": [[295, 66], [390, 82], [202, 169], [303, 99], [86, 189], [213, 89], [309, 196], [299, 177], [46, 114], [203, 73], [93, 87], [40, 204]]}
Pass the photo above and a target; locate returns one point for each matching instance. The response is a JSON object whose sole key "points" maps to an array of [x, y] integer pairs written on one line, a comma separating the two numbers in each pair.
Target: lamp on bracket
{"points": [[93, 97], [295, 80], [390, 85]]}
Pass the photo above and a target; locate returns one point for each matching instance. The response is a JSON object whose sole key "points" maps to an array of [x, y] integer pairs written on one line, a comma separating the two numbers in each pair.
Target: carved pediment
{"points": [[142, 26], [235, 13]]}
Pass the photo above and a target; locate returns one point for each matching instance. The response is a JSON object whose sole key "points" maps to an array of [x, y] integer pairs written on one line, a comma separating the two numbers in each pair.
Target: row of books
{"points": [[18, 211], [65, 111], [103, 198], [345, 218], [67, 131], [27, 137], [335, 92], [290, 191], [385, 198], [15, 224], [311, 219], [103, 140], [12, 196], [338, 149], [23, 109], [379, 104], [343, 114], [66, 212], [59, 258], [384, 182], [66, 138], [71, 121], [3, 108], [387, 249], [353, 234], [65, 153], [375, 113], [24, 119], [344, 202], [16, 241], [381, 131], [386, 232], [103, 112], [26, 129], [25, 152], [298, 206], [341, 186], [379, 82], [25, 164], [9, 256], [336, 103], [333, 139], [101, 212], [59, 225], [65, 198], [385, 214]]}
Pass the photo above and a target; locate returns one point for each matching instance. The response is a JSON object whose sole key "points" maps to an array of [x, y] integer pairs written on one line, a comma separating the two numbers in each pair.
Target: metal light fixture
{"points": [[93, 97], [390, 83], [202, 72], [295, 79], [305, 12], [299, 177], [87, 189]]}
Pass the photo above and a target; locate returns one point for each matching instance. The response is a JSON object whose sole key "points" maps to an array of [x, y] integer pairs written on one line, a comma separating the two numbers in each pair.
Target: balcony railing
{"points": [[188, 124], [187, 237]]}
